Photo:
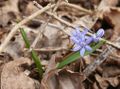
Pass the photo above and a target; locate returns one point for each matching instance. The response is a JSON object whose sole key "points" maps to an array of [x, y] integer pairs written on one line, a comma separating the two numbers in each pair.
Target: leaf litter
{"points": [[105, 76]]}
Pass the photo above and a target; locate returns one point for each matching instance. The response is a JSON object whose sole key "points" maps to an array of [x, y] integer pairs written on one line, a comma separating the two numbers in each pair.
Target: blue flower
{"points": [[81, 41], [96, 37]]}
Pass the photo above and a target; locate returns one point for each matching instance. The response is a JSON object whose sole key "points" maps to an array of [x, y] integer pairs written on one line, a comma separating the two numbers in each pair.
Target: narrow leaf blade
{"points": [[24, 35], [33, 53]]}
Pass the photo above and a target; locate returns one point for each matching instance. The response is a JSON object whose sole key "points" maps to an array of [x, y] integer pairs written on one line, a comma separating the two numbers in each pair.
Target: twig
{"points": [[50, 49], [13, 31], [56, 6], [77, 7], [99, 60]]}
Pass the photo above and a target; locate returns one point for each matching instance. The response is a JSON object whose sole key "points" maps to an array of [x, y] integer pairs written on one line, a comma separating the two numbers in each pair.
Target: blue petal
{"points": [[82, 51], [100, 33], [74, 39], [89, 40], [74, 33], [96, 39], [78, 31], [85, 31], [77, 28], [82, 37], [76, 48], [88, 48]]}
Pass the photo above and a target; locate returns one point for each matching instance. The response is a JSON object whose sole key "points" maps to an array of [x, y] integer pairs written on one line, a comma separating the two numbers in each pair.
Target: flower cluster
{"points": [[82, 40]]}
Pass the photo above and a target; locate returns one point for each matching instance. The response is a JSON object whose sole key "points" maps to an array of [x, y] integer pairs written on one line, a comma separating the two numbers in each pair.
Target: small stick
{"points": [[50, 49], [56, 6], [77, 7], [13, 31]]}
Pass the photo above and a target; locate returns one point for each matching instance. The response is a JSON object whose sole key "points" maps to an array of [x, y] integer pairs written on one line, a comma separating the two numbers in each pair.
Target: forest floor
{"points": [[48, 25]]}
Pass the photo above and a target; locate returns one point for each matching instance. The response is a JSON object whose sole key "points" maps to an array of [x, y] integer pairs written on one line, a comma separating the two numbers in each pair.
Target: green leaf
{"points": [[33, 53], [25, 38], [37, 62], [75, 55]]}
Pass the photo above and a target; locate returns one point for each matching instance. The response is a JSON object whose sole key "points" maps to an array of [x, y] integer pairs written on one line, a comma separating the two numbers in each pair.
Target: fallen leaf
{"points": [[112, 17], [6, 10], [13, 77], [60, 79], [102, 82]]}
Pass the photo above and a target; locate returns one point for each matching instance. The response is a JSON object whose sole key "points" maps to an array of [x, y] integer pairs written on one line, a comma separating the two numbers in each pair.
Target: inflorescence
{"points": [[82, 40]]}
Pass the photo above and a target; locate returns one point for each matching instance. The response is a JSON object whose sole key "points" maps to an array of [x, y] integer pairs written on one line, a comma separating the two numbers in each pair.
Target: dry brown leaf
{"points": [[95, 86], [111, 71], [62, 80], [27, 7], [49, 81], [70, 80], [112, 17], [102, 82], [58, 79], [111, 68], [13, 77], [4, 58], [113, 81], [15, 47], [8, 12], [50, 37]]}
